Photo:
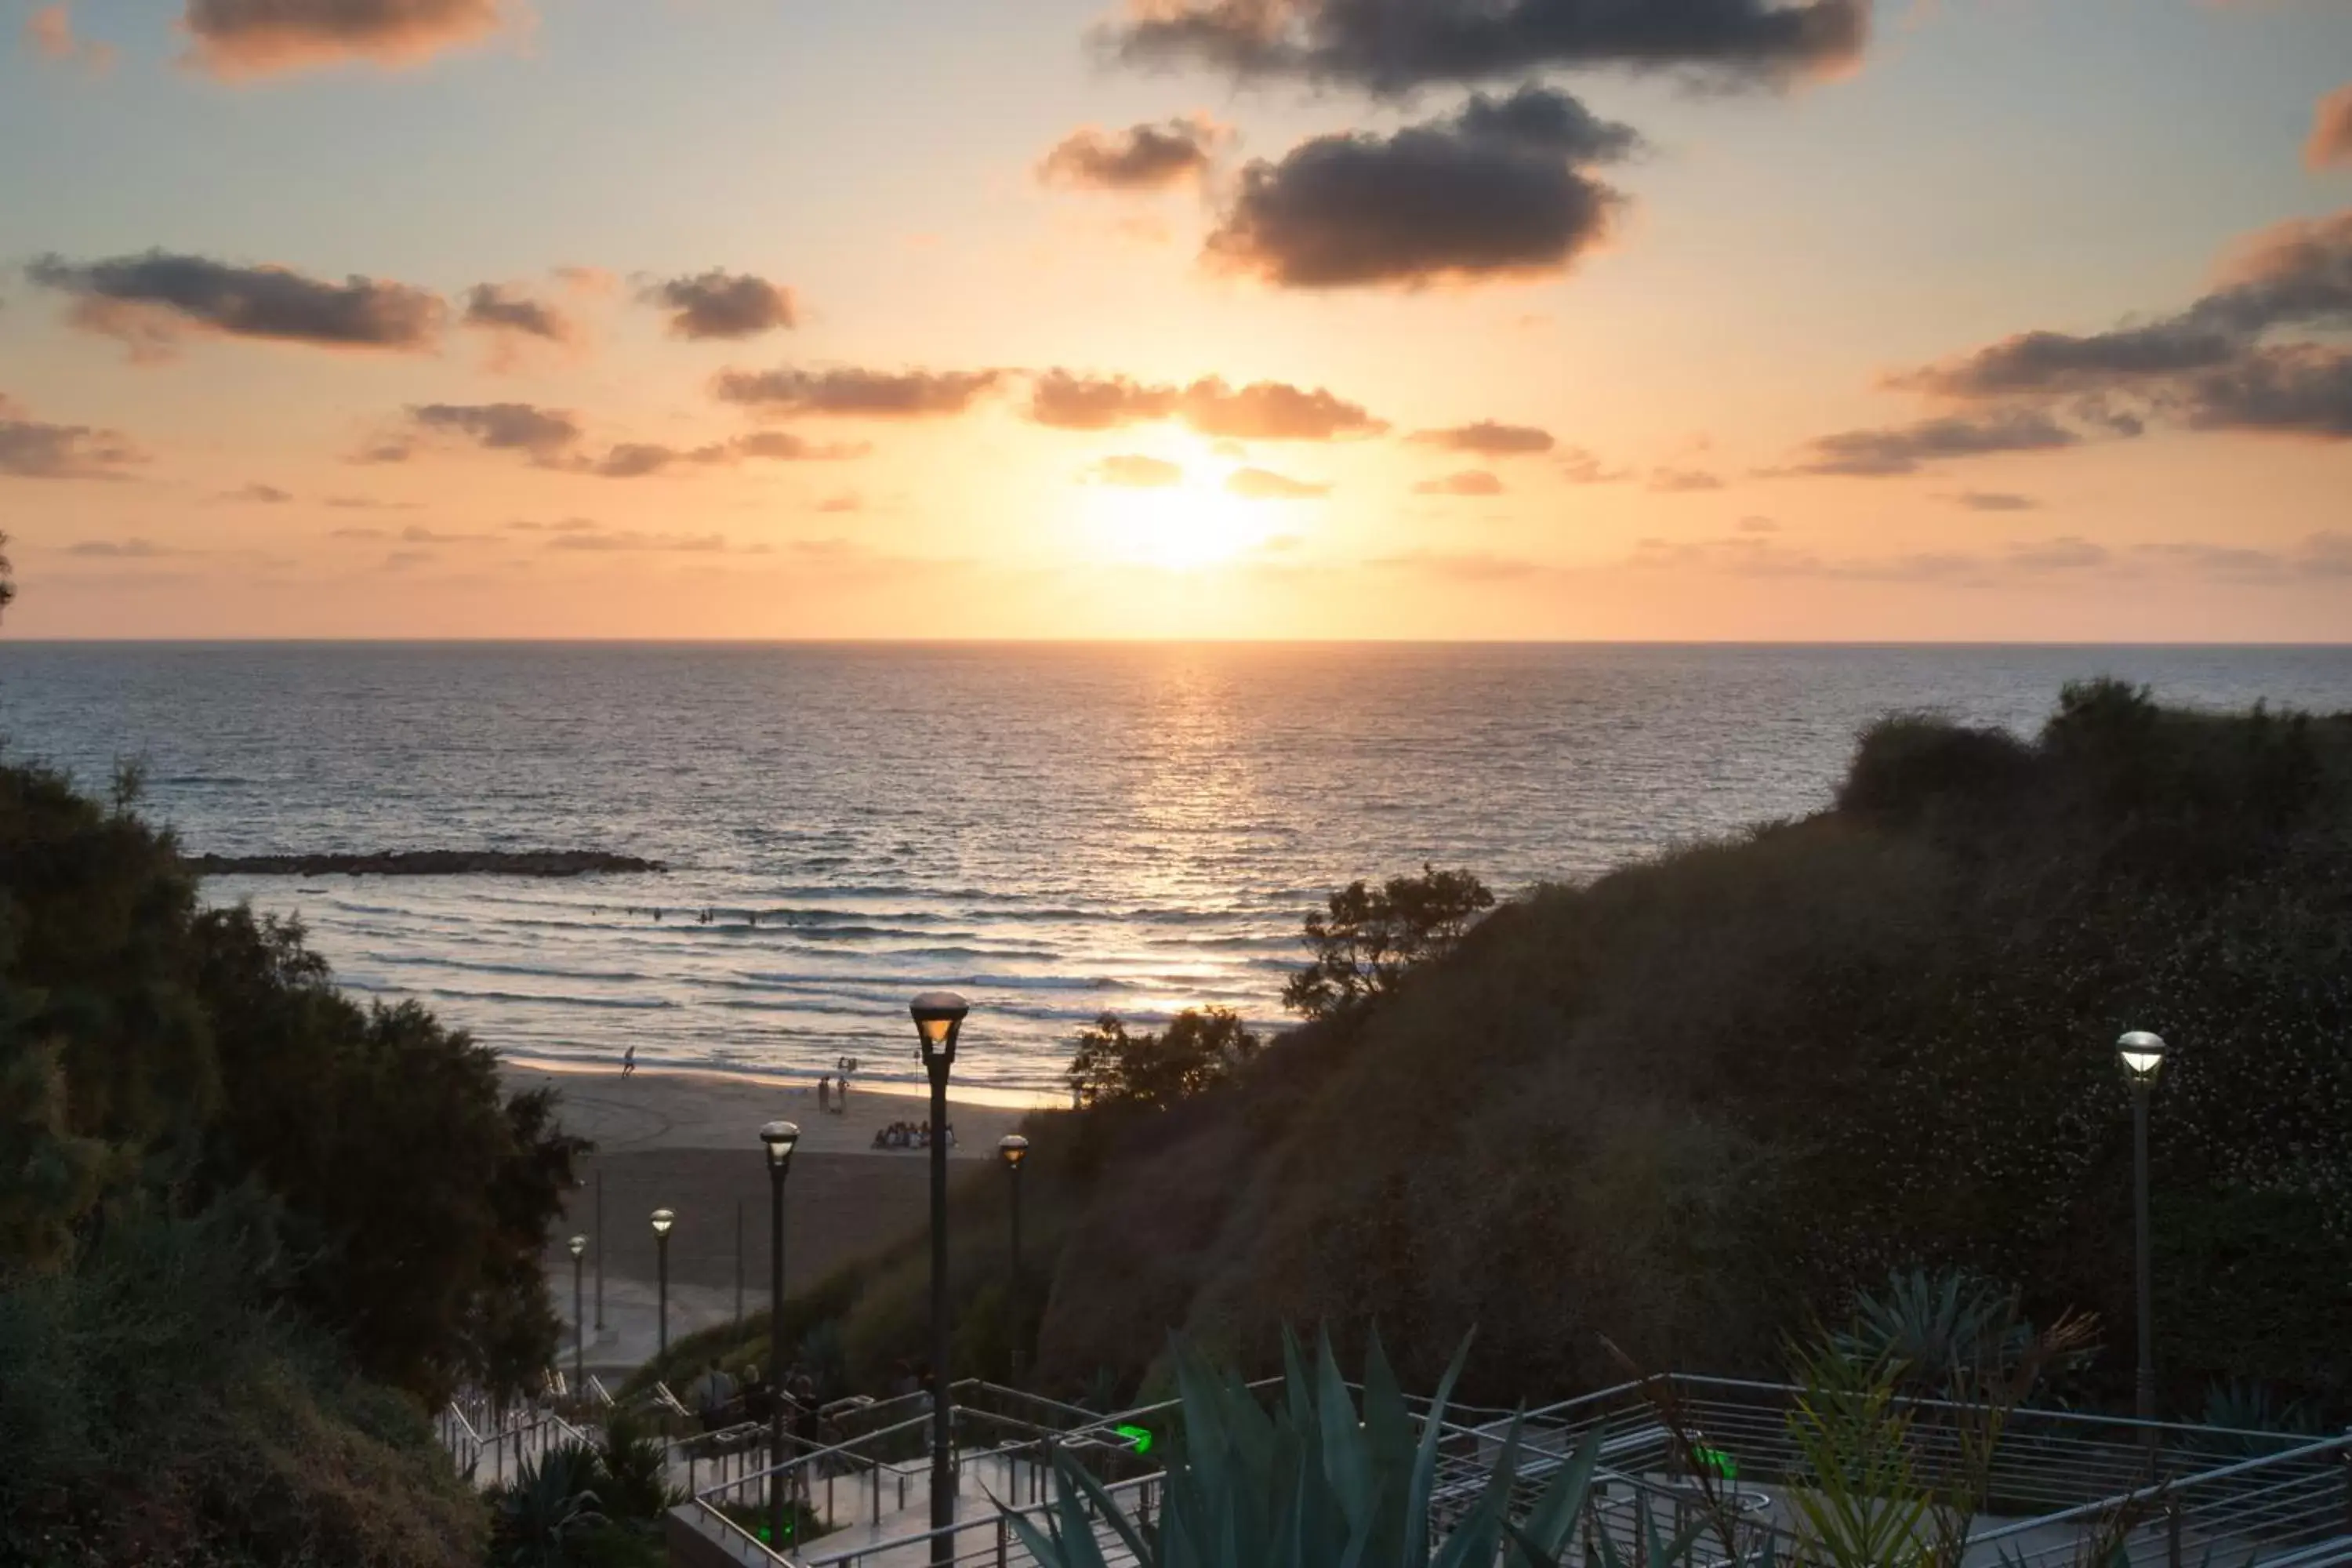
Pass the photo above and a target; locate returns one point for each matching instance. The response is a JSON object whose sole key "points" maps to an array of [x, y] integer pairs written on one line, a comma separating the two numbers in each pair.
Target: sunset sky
{"points": [[1618, 319]]}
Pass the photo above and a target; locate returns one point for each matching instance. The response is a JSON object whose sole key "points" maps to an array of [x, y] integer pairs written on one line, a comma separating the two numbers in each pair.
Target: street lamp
{"points": [[579, 1244], [780, 1138], [938, 1018], [1012, 1149], [2142, 1055], [663, 1220]]}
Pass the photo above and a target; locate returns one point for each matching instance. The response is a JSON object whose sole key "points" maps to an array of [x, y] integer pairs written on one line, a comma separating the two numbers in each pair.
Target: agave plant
{"points": [[1317, 1482], [538, 1517], [1938, 1327], [632, 1471]]}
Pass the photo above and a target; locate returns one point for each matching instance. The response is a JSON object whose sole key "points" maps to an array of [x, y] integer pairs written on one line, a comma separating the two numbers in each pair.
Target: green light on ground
{"points": [[1139, 1436], [1721, 1463]]}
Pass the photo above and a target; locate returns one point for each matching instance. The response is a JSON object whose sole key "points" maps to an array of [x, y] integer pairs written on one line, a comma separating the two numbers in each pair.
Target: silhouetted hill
{"points": [[1702, 1097]]}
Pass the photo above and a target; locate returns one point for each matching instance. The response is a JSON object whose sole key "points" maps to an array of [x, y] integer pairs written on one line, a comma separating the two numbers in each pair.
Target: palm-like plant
{"points": [[541, 1513], [1318, 1483]]}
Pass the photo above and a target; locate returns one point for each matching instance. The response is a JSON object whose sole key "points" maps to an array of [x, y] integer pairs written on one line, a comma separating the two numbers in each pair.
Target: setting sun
{"points": [[1186, 522]]}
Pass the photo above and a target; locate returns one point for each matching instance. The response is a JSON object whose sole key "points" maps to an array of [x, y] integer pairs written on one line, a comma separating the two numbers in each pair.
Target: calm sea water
{"points": [[1055, 830]]}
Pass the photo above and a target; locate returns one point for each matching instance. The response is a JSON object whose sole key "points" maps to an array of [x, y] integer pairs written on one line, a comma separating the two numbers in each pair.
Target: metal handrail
{"points": [[2340, 1443]]}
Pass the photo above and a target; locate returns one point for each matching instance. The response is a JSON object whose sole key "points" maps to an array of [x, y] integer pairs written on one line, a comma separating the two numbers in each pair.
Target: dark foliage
{"points": [[1198, 1048], [1698, 1103], [154, 1409], [1372, 937], [150, 1047]]}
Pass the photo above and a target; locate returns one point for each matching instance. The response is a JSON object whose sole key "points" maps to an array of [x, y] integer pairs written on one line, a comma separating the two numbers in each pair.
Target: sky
{"points": [[1677, 319]]}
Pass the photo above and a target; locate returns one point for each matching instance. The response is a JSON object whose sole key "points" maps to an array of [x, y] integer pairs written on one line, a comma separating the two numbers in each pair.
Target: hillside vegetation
{"points": [[249, 1230], [1697, 1103]]}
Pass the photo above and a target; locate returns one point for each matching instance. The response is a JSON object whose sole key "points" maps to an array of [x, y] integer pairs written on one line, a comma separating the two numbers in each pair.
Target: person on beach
{"points": [[628, 1061], [823, 1092]]}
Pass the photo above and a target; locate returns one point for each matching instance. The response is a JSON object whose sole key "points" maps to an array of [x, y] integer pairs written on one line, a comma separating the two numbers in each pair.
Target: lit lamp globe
{"points": [[781, 1138], [2142, 1055], [578, 1244], [663, 1220], [938, 1017], [1012, 1149]]}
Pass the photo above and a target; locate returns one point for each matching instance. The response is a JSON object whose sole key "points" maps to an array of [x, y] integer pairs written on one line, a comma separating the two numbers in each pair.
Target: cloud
{"points": [[630, 539], [32, 449], [1904, 448], [1751, 556], [1753, 524], [121, 549], [857, 394], [1068, 402], [2295, 391], [2330, 146], [150, 301], [49, 32], [1262, 411], [725, 305], [1675, 482], [1579, 467], [2070, 552], [236, 38], [1133, 471], [1486, 439], [544, 433], [560, 525], [1273, 411], [369, 503], [2296, 274], [2327, 554], [847, 501], [1994, 501], [1499, 190], [416, 534], [1140, 158], [551, 438], [1465, 566], [1263, 484], [497, 308], [1469, 482], [1391, 47], [256, 494]]}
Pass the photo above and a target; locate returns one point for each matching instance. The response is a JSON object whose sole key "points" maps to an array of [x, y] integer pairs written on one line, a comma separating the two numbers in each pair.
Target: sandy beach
{"points": [[688, 1142]]}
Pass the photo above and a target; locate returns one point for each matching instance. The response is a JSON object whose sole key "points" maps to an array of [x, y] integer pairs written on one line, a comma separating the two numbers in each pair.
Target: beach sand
{"points": [[688, 1142]]}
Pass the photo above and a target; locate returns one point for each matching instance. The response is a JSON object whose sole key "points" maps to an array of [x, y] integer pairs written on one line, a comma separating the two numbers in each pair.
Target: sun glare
{"points": [[1185, 527]]}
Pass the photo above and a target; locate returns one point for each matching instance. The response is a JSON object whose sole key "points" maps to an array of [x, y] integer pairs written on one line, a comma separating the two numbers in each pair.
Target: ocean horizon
{"points": [[1057, 829]]}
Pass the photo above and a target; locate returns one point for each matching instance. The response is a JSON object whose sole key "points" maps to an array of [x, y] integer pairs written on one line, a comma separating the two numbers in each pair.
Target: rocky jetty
{"points": [[423, 863]]}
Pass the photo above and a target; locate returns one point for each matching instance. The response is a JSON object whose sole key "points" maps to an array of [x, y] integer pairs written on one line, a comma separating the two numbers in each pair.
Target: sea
{"points": [[1058, 831]]}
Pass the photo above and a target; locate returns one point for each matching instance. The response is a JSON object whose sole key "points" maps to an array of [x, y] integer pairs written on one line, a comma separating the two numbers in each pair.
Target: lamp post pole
{"points": [[2145, 1383], [2142, 1055], [779, 1137], [1014, 1150], [663, 1220], [938, 1018], [579, 1244]]}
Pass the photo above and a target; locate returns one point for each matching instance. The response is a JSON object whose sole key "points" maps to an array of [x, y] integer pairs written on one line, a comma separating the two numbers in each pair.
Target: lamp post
{"points": [[780, 1138], [1012, 1149], [663, 1220], [2142, 1055], [938, 1018], [579, 1244]]}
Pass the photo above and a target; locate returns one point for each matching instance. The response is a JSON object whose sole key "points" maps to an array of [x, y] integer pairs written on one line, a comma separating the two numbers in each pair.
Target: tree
{"points": [[153, 1049], [7, 582], [1374, 936], [1198, 1048]]}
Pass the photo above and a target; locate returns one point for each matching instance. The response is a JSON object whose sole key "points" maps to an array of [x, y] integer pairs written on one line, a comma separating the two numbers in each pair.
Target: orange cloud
{"points": [[2331, 132], [49, 32], [242, 38]]}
